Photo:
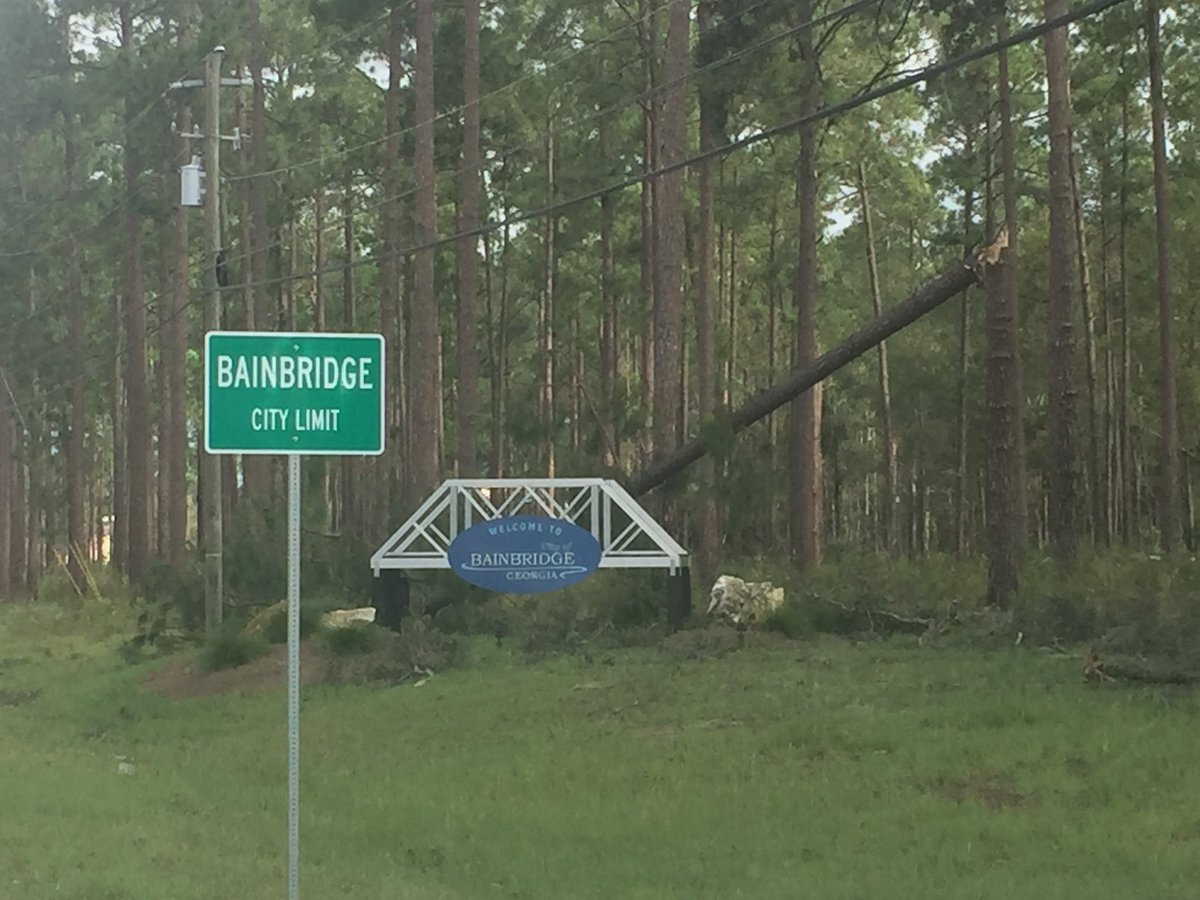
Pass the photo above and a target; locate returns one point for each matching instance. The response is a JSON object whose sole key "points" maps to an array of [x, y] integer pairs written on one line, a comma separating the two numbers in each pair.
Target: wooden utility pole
{"points": [[210, 465], [211, 517]]}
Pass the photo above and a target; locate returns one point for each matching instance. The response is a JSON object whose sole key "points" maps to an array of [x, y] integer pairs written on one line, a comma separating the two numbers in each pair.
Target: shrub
{"points": [[1121, 602], [420, 645], [274, 629], [356, 638], [256, 554], [173, 596], [230, 649], [255, 563], [791, 620]]}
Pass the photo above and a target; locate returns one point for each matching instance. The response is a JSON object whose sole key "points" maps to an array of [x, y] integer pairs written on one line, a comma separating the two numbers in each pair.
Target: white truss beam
{"points": [[629, 537]]}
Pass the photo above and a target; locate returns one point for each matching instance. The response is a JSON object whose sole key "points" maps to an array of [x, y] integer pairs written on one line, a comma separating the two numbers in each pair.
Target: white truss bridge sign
{"points": [[629, 537]]}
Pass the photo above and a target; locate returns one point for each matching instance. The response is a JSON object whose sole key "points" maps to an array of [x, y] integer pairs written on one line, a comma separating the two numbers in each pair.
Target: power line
{"points": [[647, 94], [62, 196], [860, 99], [538, 138], [921, 76], [608, 36], [374, 142]]}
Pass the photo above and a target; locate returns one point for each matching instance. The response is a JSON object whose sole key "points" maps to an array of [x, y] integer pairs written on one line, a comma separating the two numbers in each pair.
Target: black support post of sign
{"points": [[679, 597], [390, 597]]}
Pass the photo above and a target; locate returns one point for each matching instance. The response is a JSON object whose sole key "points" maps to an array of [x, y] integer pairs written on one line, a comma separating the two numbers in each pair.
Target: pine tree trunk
{"points": [[287, 307], [76, 463], [424, 344], [1095, 486], [546, 322], [964, 322], [576, 381], [731, 301], [1110, 370], [1168, 501], [491, 334], [888, 459], [1125, 469], [160, 459], [669, 233], [708, 538], [260, 240], [7, 471], [920, 511], [648, 35], [1006, 499], [807, 501], [229, 491], [256, 469], [349, 519], [35, 545], [137, 421], [609, 372], [176, 331], [723, 291], [1062, 476], [1189, 506], [775, 300], [245, 229], [95, 525], [773, 320], [18, 527], [318, 304], [466, 424], [498, 437]]}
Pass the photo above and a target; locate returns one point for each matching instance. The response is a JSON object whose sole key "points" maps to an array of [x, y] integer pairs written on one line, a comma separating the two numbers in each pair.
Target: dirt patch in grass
{"points": [[183, 678], [994, 791], [396, 659]]}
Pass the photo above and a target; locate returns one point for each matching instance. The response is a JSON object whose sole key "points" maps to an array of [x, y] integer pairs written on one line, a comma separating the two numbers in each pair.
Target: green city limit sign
{"points": [[274, 392]]}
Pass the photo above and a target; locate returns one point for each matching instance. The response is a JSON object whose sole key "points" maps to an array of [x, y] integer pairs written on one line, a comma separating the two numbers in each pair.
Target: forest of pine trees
{"points": [[589, 232]]}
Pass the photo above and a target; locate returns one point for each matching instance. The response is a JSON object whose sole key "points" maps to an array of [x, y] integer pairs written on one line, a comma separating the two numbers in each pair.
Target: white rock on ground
{"points": [[743, 602], [340, 618]]}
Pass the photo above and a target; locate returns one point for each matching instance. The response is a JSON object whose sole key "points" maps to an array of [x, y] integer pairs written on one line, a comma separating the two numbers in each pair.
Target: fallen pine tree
{"points": [[1098, 670], [953, 281]]}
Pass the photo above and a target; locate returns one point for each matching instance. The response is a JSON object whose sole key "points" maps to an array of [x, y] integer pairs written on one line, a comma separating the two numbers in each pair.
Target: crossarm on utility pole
{"points": [[925, 299]]}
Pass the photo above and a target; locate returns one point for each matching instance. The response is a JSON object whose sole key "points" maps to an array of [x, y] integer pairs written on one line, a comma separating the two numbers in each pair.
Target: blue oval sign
{"points": [[524, 554]]}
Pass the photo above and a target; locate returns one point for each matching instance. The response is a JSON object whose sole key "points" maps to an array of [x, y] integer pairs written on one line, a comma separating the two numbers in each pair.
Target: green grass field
{"points": [[819, 769]]}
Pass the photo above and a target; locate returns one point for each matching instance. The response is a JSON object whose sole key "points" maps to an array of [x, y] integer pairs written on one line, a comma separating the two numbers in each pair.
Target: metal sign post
{"points": [[293, 676], [296, 395]]}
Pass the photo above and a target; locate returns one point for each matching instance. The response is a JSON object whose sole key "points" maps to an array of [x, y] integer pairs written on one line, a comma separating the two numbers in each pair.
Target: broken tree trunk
{"points": [[1097, 670], [925, 299]]}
